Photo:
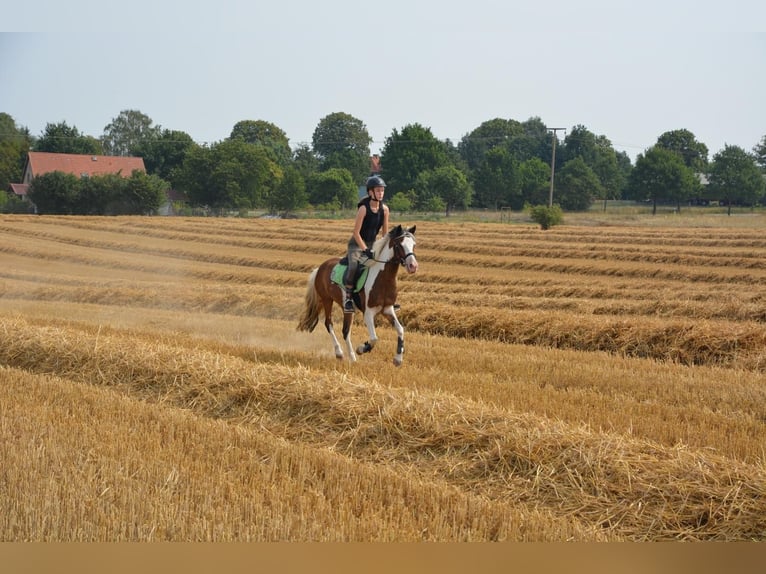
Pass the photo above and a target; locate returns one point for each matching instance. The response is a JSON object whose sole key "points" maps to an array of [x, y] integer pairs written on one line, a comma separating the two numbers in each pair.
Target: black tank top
{"points": [[371, 223]]}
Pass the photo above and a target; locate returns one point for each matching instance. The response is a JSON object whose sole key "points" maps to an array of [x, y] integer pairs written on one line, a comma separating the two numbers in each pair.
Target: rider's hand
{"points": [[368, 253]]}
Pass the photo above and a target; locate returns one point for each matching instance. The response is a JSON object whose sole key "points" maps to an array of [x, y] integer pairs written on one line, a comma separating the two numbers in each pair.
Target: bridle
{"points": [[399, 250]]}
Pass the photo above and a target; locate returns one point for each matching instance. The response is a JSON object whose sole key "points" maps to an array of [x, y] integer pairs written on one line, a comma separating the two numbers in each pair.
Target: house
{"points": [[81, 165], [39, 163], [175, 201]]}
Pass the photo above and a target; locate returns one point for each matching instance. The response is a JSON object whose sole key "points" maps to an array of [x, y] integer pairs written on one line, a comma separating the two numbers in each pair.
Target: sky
{"points": [[629, 71]]}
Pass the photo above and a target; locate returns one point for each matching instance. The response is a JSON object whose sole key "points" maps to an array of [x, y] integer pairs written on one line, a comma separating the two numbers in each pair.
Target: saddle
{"points": [[338, 272]]}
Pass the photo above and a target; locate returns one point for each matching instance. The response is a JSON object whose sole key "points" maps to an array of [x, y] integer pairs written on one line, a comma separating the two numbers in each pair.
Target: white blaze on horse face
{"points": [[411, 263]]}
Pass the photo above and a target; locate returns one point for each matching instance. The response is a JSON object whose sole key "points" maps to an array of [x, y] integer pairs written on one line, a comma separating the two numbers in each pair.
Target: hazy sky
{"points": [[626, 70]]}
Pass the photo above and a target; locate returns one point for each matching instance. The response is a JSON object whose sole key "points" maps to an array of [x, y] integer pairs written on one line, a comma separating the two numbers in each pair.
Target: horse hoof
{"points": [[339, 357], [397, 362]]}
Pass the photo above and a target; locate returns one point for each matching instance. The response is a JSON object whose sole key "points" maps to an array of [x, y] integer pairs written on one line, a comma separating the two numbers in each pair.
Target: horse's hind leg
{"points": [[328, 326]]}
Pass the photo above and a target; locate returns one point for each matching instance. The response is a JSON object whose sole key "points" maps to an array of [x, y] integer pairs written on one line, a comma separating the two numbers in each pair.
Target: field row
{"points": [[706, 308], [607, 482]]}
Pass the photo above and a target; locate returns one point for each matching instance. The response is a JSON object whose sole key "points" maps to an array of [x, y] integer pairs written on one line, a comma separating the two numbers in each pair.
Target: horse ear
{"points": [[412, 229], [396, 231]]}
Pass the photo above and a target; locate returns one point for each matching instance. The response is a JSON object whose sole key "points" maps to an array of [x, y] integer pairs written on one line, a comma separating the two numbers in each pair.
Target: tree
{"points": [[534, 181], [266, 134], [660, 174], [127, 131], [55, 193], [62, 138], [333, 188], [577, 185], [14, 145], [305, 161], [491, 134], [144, 193], [495, 181], [406, 154], [341, 140], [522, 140], [735, 178], [693, 153], [599, 155], [101, 195], [290, 193], [165, 153], [453, 187], [229, 174], [759, 152]]}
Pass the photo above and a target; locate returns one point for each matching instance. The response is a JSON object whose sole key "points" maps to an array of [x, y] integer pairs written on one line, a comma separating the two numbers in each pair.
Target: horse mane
{"points": [[379, 244], [397, 231]]}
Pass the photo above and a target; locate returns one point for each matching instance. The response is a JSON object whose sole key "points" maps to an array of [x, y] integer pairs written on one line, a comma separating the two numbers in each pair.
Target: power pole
{"points": [[553, 162]]}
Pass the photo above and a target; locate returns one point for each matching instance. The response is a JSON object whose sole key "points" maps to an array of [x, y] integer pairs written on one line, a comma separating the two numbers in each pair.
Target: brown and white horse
{"points": [[395, 249]]}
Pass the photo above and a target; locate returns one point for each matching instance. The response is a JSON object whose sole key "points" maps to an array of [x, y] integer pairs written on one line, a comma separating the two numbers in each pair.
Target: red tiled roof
{"points": [[79, 165], [20, 189]]}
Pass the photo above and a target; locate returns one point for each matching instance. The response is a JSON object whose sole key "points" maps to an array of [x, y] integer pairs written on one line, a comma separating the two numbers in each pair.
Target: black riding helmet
{"points": [[375, 181]]}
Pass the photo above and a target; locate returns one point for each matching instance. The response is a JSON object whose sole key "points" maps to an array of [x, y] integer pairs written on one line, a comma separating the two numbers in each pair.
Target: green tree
{"points": [[165, 153], [402, 201], [229, 174], [305, 161], [290, 193], [55, 193], [496, 181], [577, 184], [62, 138], [101, 195], [759, 152], [534, 181], [144, 193], [453, 187], [522, 140], [266, 134], [683, 142], [15, 142], [735, 178], [125, 133], [599, 155], [660, 174], [406, 154], [491, 134], [342, 141], [333, 187]]}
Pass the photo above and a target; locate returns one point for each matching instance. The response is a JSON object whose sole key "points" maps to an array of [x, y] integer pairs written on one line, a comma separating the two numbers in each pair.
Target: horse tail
{"points": [[310, 316]]}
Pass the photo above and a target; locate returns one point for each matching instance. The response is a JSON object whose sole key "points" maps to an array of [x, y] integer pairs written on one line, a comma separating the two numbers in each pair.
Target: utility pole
{"points": [[553, 162]]}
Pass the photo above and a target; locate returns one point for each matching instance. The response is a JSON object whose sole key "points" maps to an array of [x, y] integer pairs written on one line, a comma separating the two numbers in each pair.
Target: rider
{"points": [[371, 218]]}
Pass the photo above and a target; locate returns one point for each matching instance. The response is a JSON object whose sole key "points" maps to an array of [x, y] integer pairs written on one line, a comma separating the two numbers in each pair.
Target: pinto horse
{"points": [[378, 295]]}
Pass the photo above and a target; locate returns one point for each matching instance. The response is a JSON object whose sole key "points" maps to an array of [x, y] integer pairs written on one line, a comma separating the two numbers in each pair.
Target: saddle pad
{"points": [[336, 276]]}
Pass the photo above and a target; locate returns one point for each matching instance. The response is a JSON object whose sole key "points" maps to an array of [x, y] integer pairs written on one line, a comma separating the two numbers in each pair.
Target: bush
{"points": [[546, 216]]}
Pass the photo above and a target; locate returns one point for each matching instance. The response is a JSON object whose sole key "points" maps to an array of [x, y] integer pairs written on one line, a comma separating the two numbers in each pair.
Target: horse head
{"points": [[403, 243]]}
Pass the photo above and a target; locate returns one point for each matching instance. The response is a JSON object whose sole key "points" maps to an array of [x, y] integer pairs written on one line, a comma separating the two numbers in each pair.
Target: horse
{"points": [[378, 295]]}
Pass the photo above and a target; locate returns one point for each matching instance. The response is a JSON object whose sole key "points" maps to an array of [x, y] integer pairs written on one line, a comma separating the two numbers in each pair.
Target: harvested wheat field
{"points": [[600, 381]]}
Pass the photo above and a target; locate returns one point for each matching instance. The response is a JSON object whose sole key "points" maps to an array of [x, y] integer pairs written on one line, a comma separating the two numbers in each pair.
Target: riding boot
{"points": [[348, 303]]}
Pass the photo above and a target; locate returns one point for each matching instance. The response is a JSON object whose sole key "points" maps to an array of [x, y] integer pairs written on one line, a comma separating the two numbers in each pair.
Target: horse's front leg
{"points": [[369, 320], [391, 315], [347, 319]]}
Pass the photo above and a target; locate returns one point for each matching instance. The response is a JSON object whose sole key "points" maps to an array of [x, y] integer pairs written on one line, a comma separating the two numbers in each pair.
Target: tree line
{"points": [[502, 163]]}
